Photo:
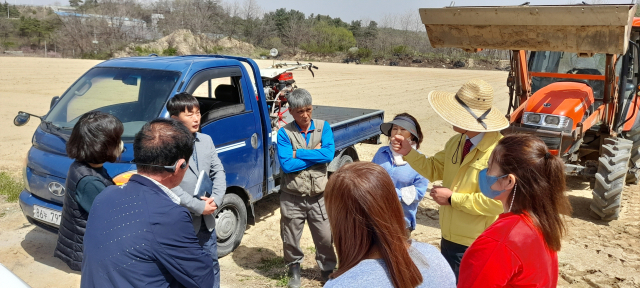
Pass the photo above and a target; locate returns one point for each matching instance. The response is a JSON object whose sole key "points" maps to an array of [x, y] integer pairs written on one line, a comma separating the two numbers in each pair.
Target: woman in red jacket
{"points": [[520, 248]]}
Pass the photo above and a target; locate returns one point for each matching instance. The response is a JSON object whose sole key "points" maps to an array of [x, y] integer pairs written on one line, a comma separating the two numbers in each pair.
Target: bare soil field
{"points": [[594, 254]]}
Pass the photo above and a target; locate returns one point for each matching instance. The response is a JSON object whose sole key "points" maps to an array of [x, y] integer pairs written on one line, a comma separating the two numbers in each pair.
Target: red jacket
{"points": [[510, 253]]}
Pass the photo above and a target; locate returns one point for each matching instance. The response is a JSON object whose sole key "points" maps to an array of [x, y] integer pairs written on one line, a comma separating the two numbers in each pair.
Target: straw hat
{"points": [[479, 115]]}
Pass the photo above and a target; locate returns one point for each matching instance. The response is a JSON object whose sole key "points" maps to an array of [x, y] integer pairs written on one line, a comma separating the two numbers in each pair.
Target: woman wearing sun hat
{"points": [[410, 185], [464, 212]]}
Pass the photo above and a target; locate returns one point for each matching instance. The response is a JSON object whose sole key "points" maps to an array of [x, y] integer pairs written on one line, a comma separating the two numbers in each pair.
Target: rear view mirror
{"points": [[21, 119], [54, 100], [83, 88], [131, 80]]}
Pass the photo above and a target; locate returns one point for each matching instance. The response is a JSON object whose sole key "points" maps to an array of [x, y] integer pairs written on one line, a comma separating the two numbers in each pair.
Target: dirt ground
{"points": [[594, 254]]}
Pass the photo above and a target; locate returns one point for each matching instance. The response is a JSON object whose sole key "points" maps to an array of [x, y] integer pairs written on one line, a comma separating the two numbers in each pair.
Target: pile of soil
{"points": [[186, 43]]}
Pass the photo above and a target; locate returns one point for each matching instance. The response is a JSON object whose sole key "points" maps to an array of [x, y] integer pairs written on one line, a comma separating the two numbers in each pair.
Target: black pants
{"points": [[453, 253]]}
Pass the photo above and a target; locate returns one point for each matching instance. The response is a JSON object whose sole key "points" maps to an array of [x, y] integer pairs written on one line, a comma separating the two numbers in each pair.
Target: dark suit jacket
{"points": [[138, 237]]}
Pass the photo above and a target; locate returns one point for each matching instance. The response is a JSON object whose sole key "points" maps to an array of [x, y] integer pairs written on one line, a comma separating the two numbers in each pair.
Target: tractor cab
{"points": [[566, 88], [573, 82], [547, 67]]}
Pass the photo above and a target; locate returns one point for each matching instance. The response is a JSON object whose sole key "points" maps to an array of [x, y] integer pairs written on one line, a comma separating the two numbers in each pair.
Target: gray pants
{"points": [[294, 211]]}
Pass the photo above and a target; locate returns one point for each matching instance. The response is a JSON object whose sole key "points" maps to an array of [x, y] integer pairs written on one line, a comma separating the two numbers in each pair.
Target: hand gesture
{"points": [[209, 206], [401, 145], [440, 194]]}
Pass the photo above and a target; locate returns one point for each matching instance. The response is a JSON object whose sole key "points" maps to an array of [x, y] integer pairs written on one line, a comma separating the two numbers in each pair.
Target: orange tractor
{"points": [[573, 82]]}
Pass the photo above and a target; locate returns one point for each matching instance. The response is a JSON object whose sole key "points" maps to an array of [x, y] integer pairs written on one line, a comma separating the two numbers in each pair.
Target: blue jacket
{"points": [[403, 176], [305, 158], [138, 237]]}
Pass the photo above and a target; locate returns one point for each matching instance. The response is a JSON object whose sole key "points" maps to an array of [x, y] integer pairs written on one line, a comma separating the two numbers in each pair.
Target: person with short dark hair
{"points": [[186, 109], [138, 235], [520, 248], [369, 233], [410, 185], [94, 140]]}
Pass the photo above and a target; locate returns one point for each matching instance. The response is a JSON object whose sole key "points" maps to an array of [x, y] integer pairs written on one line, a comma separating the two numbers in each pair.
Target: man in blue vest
{"points": [[305, 147]]}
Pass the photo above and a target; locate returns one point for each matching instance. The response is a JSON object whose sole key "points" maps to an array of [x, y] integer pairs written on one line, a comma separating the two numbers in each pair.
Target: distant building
{"points": [[137, 27]]}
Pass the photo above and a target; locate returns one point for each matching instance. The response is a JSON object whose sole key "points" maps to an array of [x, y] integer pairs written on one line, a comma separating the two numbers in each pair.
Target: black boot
{"points": [[294, 272], [324, 275]]}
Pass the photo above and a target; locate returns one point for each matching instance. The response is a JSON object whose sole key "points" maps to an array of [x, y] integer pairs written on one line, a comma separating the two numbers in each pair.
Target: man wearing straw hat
{"points": [[464, 212]]}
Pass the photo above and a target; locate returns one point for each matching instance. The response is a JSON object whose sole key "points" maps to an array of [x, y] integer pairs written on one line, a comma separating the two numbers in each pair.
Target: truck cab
{"points": [[136, 89]]}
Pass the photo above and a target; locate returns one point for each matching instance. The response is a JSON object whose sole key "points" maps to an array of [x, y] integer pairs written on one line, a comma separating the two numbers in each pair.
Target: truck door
{"points": [[229, 119]]}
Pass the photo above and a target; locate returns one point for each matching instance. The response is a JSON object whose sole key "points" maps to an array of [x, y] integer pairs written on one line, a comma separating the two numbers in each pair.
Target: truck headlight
{"points": [[123, 178]]}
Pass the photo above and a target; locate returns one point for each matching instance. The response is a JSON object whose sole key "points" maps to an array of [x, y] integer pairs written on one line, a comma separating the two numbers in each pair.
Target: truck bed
{"points": [[349, 125]]}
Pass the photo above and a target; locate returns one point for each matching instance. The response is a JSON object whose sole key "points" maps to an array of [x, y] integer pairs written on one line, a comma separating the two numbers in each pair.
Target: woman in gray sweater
{"points": [[368, 227]]}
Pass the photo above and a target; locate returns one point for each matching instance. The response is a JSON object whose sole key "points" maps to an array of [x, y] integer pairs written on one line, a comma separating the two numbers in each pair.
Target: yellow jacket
{"points": [[470, 212]]}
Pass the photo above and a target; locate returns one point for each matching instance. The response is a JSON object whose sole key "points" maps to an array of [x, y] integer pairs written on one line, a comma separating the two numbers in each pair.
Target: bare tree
{"points": [[198, 16], [296, 31], [233, 25], [110, 26], [251, 10]]}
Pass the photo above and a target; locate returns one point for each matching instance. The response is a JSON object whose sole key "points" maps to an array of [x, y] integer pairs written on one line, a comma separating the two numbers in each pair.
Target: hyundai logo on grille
{"points": [[56, 188]]}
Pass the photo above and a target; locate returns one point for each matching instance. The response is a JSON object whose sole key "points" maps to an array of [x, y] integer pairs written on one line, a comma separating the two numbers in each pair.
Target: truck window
{"points": [[219, 92], [134, 96]]}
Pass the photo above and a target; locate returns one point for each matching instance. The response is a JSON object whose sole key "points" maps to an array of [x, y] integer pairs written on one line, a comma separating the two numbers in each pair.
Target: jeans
{"points": [[453, 253], [209, 241]]}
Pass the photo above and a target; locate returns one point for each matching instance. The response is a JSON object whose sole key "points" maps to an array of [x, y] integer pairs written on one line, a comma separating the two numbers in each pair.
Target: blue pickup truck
{"points": [[234, 114]]}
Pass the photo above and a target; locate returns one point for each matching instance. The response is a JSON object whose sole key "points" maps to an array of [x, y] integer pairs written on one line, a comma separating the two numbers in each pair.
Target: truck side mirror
{"points": [[54, 100], [21, 119]]}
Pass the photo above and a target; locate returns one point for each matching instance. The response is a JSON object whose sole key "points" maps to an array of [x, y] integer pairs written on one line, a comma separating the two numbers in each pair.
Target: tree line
{"points": [[98, 28]]}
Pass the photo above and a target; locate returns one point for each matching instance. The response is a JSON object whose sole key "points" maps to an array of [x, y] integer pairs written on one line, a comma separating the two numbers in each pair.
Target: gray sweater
{"points": [[373, 273]]}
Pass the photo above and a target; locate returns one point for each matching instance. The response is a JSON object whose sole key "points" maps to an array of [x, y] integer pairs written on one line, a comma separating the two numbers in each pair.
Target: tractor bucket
{"points": [[584, 29]]}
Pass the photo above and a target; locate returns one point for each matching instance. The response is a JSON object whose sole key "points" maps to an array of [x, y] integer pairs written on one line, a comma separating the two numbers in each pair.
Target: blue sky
{"points": [[361, 9]]}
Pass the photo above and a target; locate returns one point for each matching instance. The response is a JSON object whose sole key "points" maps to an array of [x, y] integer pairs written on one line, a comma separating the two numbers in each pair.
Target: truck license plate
{"points": [[46, 214]]}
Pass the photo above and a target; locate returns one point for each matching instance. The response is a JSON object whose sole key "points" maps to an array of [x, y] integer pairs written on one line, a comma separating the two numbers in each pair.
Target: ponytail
{"points": [[541, 184]]}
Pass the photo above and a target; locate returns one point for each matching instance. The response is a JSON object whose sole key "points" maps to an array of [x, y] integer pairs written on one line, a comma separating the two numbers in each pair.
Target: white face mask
{"points": [[397, 157]]}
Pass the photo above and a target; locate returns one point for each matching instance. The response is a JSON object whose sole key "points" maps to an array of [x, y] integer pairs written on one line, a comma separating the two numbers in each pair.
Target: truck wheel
{"points": [[610, 178], [345, 159], [633, 176], [231, 221]]}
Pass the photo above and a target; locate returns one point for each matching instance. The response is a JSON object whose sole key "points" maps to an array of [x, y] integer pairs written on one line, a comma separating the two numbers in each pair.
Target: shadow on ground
{"points": [[40, 244], [267, 263], [581, 210], [266, 207], [428, 217]]}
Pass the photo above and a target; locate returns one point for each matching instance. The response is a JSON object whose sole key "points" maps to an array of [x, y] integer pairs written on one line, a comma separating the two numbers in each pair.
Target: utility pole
{"points": [[45, 48]]}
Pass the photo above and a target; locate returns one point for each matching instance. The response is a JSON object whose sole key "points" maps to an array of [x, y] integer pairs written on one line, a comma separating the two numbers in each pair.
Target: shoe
{"points": [[294, 272], [324, 275]]}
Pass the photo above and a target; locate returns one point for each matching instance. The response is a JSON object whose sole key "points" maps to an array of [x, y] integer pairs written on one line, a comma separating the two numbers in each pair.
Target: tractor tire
{"points": [[633, 176], [610, 178]]}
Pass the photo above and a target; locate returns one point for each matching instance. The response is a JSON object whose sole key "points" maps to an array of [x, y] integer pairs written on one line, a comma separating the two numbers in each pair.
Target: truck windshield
{"points": [[135, 96], [548, 62]]}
